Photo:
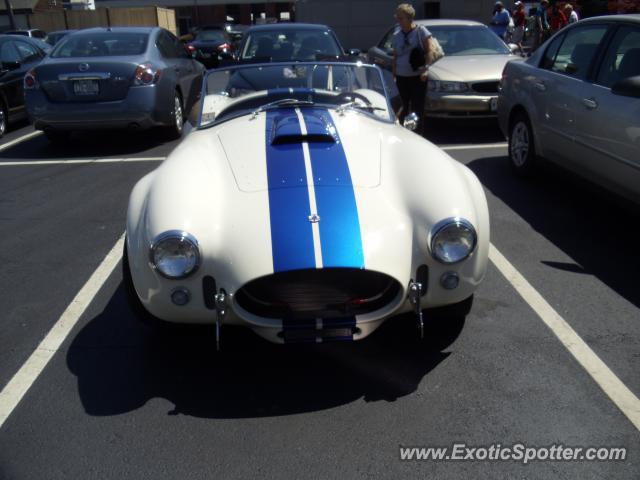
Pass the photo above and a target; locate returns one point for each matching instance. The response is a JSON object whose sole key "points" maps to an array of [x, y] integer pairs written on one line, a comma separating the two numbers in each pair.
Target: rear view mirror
{"points": [[627, 87], [355, 52]]}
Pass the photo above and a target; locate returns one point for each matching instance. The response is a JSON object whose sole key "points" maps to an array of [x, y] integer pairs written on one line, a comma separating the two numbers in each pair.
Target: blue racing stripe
{"points": [[340, 236], [291, 231]]}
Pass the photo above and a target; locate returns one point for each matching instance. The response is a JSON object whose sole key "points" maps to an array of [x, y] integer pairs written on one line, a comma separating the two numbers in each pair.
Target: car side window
{"points": [[28, 52], [578, 50], [165, 45], [8, 53], [178, 47], [386, 44], [551, 52], [622, 60]]}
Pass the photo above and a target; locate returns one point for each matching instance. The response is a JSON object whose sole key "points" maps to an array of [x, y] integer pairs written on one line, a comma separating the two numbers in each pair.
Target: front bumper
{"points": [[446, 105], [143, 107]]}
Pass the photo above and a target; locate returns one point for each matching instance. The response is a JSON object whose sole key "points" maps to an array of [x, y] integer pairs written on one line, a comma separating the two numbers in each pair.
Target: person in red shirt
{"points": [[557, 19], [519, 25]]}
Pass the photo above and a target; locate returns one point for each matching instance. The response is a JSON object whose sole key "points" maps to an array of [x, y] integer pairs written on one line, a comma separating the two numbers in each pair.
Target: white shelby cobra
{"points": [[300, 208]]}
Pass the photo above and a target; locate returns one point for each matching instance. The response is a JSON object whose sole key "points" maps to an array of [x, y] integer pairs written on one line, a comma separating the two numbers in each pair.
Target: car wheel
{"points": [[3, 120], [177, 117], [57, 137], [522, 153], [134, 302]]}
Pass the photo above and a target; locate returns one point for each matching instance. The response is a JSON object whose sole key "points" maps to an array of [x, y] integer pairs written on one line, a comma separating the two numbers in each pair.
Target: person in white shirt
{"points": [[572, 15]]}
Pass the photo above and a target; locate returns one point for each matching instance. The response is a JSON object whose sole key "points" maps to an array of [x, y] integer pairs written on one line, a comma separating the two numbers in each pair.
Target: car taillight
{"points": [[224, 46], [30, 82], [146, 74]]}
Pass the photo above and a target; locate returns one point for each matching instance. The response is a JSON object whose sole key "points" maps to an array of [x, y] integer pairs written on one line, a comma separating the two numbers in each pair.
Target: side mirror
{"points": [[627, 87], [514, 48], [411, 121], [354, 52], [9, 66]]}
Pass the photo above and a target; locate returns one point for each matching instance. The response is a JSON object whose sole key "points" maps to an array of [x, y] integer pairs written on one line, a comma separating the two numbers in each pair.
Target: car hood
{"points": [[469, 68], [273, 151]]}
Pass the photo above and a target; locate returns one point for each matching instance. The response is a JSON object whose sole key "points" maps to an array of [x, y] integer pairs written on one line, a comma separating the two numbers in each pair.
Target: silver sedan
{"points": [[464, 83], [113, 78], [576, 102]]}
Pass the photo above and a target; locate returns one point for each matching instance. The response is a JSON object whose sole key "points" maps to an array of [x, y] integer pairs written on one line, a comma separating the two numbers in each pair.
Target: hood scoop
{"points": [[287, 130]]}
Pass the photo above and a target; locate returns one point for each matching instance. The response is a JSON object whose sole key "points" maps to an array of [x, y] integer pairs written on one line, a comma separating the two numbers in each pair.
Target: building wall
{"points": [[361, 23]]}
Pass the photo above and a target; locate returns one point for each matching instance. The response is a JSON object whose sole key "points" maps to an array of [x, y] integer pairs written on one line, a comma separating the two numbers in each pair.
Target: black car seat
{"points": [[265, 48], [581, 58], [630, 64], [308, 49]]}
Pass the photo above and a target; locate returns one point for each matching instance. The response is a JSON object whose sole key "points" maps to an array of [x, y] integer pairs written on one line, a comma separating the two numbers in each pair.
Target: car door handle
{"points": [[540, 86], [590, 103]]}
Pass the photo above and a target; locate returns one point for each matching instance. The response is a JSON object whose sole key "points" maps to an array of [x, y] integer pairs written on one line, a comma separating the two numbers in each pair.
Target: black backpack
{"points": [[416, 56]]}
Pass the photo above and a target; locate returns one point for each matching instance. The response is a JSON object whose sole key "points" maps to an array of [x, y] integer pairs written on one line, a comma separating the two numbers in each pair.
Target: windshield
{"points": [[249, 90], [468, 40], [210, 36], [101, 44], [301, 45]]}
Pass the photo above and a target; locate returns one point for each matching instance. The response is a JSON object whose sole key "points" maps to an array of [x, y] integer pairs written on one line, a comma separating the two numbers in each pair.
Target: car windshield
{"points": [[249, 89], [285, 45], [210, 36], [468, 40], [101, 44]]}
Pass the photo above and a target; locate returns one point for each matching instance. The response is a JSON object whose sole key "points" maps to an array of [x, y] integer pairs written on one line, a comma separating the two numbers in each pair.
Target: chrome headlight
{"points": [[453, 240], [175, 254], [447, 87]]}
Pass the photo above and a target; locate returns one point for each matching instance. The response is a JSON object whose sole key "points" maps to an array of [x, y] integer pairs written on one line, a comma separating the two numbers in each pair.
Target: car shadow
{"points": [[121, 364], [597, 229], [90, 144], [462, 131]]}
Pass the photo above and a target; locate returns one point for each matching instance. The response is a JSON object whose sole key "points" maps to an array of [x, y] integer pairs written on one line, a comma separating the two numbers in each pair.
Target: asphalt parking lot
{"points": [[119, 400]]}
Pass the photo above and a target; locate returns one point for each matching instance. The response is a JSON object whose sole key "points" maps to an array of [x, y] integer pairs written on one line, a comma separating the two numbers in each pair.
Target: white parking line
{"points": [[21, 139], [617, 391], [477, 146], [78, 161], [18, 386]]}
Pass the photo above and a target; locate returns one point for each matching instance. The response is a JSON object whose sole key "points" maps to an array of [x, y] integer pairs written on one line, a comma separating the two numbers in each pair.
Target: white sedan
{"points": [[300, 208]]}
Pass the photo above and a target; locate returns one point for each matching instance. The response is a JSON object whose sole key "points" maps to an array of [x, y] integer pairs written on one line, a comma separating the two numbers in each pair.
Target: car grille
{"points": [[485, 87], [318, 293]]}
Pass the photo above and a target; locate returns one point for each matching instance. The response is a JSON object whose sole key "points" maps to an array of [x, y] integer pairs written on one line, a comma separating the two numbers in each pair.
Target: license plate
{"points": [[86, 87], [206, 55], [493, 104]]}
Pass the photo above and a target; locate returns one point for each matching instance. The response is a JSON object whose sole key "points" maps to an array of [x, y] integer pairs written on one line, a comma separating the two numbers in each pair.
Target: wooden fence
{"points": [[104, 17]]}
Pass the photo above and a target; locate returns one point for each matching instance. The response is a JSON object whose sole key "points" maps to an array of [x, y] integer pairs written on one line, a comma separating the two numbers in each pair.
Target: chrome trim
{"points": [[441, 225], [183, 236], [85, 76]]}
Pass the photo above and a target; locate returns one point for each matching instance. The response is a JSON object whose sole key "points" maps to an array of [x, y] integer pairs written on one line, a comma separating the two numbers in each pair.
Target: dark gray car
{"points": [[576, 102], [18, 55], [126, 77]]}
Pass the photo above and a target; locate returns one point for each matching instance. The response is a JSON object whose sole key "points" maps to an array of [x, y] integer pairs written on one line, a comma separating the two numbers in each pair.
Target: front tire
{"points": [[522, 151], [4, 119], [174, 131]]}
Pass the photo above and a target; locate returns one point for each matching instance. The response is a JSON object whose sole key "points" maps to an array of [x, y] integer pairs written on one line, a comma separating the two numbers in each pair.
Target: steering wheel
{"points": [[354, 96]]}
